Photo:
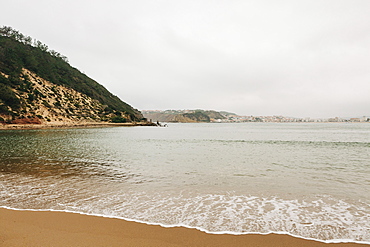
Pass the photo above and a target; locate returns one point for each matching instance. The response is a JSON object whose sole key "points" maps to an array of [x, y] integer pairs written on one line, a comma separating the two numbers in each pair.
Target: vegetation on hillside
{"points": [[198, 116], [184, 116], [18, 52]]}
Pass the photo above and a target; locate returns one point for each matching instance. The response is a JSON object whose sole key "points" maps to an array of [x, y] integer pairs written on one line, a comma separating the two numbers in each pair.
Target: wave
{"points": [[321, 218], [294, 142]]}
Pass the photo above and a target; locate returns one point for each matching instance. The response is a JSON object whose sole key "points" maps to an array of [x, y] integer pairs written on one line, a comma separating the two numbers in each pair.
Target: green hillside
{"points": [[184, 116], [19, 52]]}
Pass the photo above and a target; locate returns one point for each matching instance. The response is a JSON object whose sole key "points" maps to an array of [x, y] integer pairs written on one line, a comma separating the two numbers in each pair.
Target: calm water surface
{"points": [[310, 180]]}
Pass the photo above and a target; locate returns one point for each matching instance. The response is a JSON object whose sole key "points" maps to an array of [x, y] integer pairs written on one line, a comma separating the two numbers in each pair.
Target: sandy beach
{"points": [[35, 228]]}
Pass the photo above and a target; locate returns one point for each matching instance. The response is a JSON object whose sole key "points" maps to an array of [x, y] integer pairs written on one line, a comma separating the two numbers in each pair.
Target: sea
{"points": [[310, 180]]}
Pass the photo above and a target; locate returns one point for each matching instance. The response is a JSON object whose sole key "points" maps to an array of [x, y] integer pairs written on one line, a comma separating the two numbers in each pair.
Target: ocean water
{"points": [[310, 180]]}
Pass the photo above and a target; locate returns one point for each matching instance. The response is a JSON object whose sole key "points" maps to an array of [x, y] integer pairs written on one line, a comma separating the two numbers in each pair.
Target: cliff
{"points": [[37, 85]]}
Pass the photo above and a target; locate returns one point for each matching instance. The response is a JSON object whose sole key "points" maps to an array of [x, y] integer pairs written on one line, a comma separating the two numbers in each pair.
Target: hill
{"points": [[39, 85], [183, 116]]}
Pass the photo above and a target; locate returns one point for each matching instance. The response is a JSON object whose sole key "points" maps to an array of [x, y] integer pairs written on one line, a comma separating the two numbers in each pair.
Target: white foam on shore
{"points": [[189, 227], [322, 218]]}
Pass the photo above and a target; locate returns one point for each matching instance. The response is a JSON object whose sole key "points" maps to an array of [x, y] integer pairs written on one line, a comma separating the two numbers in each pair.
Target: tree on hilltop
{"points": [[27, 40]]}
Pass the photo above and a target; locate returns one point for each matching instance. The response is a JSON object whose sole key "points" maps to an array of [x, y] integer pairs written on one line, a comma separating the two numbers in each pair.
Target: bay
{"points": [[306, 179]]}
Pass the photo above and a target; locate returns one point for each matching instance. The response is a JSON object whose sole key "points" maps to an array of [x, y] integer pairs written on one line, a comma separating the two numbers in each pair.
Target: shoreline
{"points": [[72, 125], [108, 124], [58, 228]]}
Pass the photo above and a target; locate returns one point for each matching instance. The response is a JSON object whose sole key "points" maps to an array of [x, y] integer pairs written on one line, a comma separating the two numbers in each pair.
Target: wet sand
{"points": [[33, 228]]}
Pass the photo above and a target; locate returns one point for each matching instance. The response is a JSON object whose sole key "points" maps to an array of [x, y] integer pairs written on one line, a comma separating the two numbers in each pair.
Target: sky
{"points": [[306, 58]]}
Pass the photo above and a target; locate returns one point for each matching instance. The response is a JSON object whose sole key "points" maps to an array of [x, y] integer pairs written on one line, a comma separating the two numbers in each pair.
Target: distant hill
{"points": [[183, 116], [38, 84]]}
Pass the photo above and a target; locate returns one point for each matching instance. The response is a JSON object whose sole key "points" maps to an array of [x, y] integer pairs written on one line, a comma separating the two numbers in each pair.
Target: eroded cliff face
{"points": [[44, 102]]}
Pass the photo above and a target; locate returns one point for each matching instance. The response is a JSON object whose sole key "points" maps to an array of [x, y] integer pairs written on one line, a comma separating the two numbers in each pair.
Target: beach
{"points": [[45, 228]]}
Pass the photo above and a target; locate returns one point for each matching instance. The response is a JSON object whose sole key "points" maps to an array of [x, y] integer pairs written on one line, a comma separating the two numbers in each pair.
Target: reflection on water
{"points": [[57, 153], [308, 179]]}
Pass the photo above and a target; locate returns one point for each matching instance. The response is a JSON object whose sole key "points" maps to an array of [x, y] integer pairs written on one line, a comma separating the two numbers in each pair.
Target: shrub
{"points": [[8, 97], [31, 97], [118, 119]]}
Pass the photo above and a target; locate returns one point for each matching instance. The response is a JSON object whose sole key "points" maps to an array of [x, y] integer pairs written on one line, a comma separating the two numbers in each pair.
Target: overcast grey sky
{"points": [[308, 58]]}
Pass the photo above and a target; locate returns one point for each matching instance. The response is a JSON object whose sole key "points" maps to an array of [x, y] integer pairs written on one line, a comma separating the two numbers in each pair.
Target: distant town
{"points": [[237, 118], [186, 116]]}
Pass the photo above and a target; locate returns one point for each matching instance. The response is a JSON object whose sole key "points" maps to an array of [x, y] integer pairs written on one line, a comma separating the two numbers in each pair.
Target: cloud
{"points": [[295, 58]]}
